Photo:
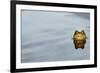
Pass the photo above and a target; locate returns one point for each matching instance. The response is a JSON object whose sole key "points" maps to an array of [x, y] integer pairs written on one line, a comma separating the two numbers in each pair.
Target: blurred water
{"points": [[47, 36]]}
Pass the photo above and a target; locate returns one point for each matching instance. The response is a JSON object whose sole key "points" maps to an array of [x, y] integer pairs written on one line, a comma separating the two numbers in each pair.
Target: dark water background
{"points": [[47, 36]]}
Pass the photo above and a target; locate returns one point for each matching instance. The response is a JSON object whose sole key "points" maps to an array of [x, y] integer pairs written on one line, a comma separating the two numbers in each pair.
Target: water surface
{"points": [[47, 36]]}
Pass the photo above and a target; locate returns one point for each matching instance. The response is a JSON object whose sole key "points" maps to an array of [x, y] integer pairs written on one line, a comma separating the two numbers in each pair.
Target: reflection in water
{"points": [[47, 36]]}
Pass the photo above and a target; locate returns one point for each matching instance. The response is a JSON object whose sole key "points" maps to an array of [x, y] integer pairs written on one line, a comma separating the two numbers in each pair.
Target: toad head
{"points": [[79, 39]]}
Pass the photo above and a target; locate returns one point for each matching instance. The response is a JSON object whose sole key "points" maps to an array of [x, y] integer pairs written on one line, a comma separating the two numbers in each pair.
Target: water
{"points": [[47, 36]]}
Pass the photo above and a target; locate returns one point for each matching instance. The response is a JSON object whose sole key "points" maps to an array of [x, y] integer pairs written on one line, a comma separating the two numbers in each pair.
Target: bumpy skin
{"points": [[79, 39]]}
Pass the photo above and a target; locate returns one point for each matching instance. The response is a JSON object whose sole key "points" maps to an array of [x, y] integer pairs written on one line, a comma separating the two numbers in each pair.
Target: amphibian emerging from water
{"points": [[79, 39]]}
